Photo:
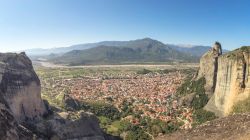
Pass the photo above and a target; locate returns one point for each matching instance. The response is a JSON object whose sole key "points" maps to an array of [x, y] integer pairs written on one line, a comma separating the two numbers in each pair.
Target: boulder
{"points": [[70, 103], [186, 100]]}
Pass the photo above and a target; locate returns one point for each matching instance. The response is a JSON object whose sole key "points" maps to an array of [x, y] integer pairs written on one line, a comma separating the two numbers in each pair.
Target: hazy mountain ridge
{"points": [[198, 50], [193, 50], [142, 50]]}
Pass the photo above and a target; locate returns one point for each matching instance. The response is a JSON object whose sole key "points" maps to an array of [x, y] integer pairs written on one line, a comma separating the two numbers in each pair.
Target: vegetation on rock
{"points": [[199, 99], [194, 86], [202, 116]]}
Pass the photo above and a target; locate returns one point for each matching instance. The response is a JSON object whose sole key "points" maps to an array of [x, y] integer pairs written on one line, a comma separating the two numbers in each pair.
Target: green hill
{"points": [[137, 51]]}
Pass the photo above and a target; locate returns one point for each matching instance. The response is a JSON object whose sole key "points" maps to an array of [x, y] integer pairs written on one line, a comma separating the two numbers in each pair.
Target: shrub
{"points": [[102, 109], [144, 71], [136, 133], [171, 127], [104, 121], [166, 71], [199, 101], [202, 116]]}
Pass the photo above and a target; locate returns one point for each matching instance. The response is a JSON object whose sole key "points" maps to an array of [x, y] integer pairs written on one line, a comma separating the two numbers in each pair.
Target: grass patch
{"points": [[242, 106]]}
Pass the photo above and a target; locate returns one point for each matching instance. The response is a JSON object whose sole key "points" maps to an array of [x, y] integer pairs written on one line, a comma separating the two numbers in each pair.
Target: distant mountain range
{"points": [[113, 52], [136, 51]]}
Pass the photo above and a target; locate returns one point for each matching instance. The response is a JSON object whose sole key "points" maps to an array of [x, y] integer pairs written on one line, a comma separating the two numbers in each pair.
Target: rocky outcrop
{"points": [[20, 97], [71, 125], [69, 103], [20, 87], [9, 128], [228, 75], [209, 67], [232, 82], [23, 112], [227, 78]]}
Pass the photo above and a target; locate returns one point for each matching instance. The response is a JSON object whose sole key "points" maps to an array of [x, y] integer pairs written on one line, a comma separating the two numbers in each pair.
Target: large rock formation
{"points": [[227, 78], [232, 82], [209, 66], [20, 97], [20, 87]]}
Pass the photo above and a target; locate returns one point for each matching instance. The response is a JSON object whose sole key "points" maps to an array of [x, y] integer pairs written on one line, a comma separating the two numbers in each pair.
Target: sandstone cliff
{"points": [[19, 96], [209, 66], [227, 78], [20, 87], [232, 81]]}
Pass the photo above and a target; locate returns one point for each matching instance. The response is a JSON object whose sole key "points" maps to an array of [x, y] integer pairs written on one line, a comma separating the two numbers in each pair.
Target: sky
{"points": [[26, 24]]}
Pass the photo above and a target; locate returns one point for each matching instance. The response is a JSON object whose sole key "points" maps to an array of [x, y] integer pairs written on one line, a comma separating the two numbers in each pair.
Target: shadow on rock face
{"points": [[69, 125]]}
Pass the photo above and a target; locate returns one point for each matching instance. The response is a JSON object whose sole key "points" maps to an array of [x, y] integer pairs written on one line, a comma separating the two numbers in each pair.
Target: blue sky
{"points": [[28, 24]]}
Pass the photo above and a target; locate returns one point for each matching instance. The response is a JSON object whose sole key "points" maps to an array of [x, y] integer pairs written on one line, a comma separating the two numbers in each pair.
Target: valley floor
{"points": [[47, 64], [141, 94]]}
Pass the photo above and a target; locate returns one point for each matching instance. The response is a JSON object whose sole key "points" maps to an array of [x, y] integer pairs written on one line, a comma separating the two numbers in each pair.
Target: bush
{"points": [[166, 71], [202, 116], [102, 109], [199, 101], [144, 71], [171, 127], [104, 121], [136, 133]]}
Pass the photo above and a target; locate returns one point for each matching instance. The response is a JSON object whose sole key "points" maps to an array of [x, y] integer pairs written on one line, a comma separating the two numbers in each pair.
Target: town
{"points": [[147, 90]]}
